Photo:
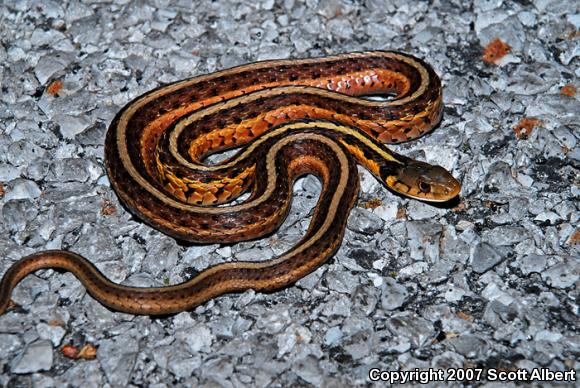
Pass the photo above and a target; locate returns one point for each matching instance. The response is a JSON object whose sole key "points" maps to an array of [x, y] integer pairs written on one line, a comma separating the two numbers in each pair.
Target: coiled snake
{"points": [[292, 117]]}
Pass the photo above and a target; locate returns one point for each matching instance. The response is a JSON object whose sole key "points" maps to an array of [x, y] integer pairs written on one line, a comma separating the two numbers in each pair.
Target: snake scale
{"points": [[289, 118]]}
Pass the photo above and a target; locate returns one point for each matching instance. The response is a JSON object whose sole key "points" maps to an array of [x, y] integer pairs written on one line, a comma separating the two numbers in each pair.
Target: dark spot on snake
{"points": [[424, 187]]}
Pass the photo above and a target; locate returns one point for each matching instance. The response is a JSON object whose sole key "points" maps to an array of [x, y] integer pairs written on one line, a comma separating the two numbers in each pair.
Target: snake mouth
{"points": [[424, 182]]}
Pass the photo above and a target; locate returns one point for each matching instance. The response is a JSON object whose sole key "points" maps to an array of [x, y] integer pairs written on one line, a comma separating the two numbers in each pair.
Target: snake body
{"points": [[292, 117]]}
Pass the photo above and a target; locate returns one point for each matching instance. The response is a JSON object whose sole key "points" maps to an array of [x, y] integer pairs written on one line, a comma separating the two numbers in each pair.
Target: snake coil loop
{"points": [[291, 117]]}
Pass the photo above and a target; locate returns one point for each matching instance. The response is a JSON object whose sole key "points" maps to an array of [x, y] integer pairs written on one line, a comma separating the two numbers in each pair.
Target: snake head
{"points": [[424, 182]]}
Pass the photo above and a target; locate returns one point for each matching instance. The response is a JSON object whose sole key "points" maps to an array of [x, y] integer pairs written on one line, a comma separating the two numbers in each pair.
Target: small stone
{"points": [[275, 320], [17, 213], [421, 211], [293, 335], [182, 364], [469, 346], [493, 292], [70, 170], [92, 135], [8, 172], [70, 126], [547, 335], [562, 275], [118, 357], [36, 357], [197, 338], [485, 256], [22, 189], [393, 295], [454, 294], [387, 212], [341, 281], [358, 347], [218, 370], [309, 371], [486, 5], [527, 18], [363, 221], [396, 345], [339, 305], [37, 169], [53, 333], [548, 217], [225, 251], [413, 270], [10, 343], [499, 178], [415, 329], [531, 263], [44, 37], [549, 299], [51, 64], [423, 240], [447, 360], [574, 19], [332, 336], [506, 235], [21, 152]]}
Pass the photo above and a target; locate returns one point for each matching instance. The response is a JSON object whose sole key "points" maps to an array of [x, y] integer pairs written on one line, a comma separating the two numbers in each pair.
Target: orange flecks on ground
{"points": [[496, 50], [401, 213], [70, 351], [54, 87], [524, 128], [568, 90], [461, 206], [371, 204], [57, 322], [108, 208], [574, 238], [464, 316], [87, 352], [574, 34], [1, 190]]}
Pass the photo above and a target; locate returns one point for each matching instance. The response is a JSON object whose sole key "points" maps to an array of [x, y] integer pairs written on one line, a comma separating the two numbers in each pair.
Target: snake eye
{"points": [[424, 187]]}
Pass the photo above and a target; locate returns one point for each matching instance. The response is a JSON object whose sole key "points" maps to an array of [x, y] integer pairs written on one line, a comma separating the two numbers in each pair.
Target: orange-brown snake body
{"points": [[291, 117]]}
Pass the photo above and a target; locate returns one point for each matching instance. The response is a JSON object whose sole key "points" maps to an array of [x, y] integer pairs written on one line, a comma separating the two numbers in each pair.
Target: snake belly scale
{"points": [[290, 118]]}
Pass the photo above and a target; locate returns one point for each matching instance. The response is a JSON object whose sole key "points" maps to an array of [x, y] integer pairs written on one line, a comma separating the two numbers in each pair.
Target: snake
{"points": [[282, 119]]}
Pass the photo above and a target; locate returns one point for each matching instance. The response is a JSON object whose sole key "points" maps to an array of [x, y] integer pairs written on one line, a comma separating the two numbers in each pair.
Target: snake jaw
{"points": [[425, 182]]}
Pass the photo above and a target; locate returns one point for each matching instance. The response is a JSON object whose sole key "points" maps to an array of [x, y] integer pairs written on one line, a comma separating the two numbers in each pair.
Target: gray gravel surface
{"points": [[492, 283]]}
